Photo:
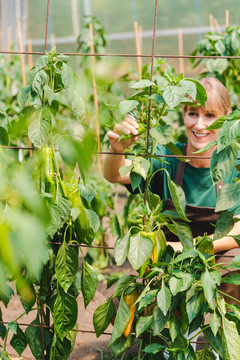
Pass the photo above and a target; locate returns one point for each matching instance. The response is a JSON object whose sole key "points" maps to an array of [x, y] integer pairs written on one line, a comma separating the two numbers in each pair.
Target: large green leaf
{"points": [[228, 133], [184, 233], [103, 315], [22, 96], [67, 76], [139, 250], [201, 95], [121, 322], [178, 198], [3, 136], [153, 348], [60, 349], [66, 266], [38, 81], [126, 106], [227, 197], [121, 248], [174, 327], [232, 279], [194, 306], [65, 312], [142, 84], [122, 284], [164, 299], [141, 166], [209, 288], [163, 134], [34, 339], [19, 341], [89, 282], [41, 62], [175, 285], [77, 103], [121, 345], [159, 320], [173, 95], [39, 127], [143, 323], [215, 323], [224, 224], [222, 162]]}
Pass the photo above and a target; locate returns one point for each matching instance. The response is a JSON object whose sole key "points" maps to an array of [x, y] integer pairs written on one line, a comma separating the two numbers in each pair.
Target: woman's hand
{"points": [[128, 126]]}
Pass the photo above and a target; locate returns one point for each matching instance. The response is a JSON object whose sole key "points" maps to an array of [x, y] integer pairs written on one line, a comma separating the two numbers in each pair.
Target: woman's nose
{"points": [[200, 123]]}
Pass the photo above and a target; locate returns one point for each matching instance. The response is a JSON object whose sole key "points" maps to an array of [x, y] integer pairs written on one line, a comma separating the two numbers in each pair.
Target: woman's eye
{"points": [[191, 113], [210, 115]]}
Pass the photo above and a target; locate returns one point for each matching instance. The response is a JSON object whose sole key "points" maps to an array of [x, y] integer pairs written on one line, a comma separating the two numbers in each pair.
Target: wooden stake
{"points": [[217, 26], [30, 57], [180, 51], [227, 18], [23, 69], [138, 50], [211, 23], [140, 32], [53, 41], [95, 103]]}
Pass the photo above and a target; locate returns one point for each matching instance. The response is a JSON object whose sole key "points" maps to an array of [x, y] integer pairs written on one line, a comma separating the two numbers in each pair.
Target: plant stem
{"points": [[231, 297]]}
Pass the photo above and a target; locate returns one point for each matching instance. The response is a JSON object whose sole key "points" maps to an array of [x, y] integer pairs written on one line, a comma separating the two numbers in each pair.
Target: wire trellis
{"points": [[152, 57]]}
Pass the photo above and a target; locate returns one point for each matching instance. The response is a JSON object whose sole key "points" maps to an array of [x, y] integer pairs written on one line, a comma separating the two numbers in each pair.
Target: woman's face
{"points": [[196, 122]]}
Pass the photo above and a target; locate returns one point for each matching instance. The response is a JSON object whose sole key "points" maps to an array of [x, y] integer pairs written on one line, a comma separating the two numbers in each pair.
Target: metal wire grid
{"points": [[152, 56]]}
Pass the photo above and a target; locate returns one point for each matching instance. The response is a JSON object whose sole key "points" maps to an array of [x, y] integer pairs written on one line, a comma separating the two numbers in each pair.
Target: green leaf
{"points": [[173, 95], [186, 254], [39, 127], [89, 282], [77, 104], [126, 106], [189, 88], [205, 354], [214, 341], [122, 284], [61, 349], [136, 180], [216, 65], [178, 198], [209, 288], [121, 321], [222, 162], [66, 266], [121, 248], [87, 192], [147, 299], [41, 62], [141, 166], [121, 345], [184, 233], [194, 306], [22, 96], [139, 250], [174, 327], [175, 285], [163, 134], [13, 327], [64, 206], [164, 298], [3, 136], [224, 224], [154, 348], [34, 339], [55, 219], [103, 316], [228, 133], [143, 323], [232, 279], [159, 320], [124, 170], [235, 263], [201, 95], [227, 197], [215, 323], [142, 84], [218, 123], [19, 341], [67, 76], [65, 312], [175, 151], [232, 339], [38, 81]]}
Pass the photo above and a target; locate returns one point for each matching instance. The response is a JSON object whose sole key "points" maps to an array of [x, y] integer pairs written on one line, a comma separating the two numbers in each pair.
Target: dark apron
{"points": [[203, 220]]}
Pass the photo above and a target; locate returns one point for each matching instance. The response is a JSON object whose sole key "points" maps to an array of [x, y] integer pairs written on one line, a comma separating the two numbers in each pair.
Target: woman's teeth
{"points": [[200, 135]]}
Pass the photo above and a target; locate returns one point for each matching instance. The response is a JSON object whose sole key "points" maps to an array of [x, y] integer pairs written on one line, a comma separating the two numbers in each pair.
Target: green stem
{"points": [[231, 297], [199, 332], [140, 349]]}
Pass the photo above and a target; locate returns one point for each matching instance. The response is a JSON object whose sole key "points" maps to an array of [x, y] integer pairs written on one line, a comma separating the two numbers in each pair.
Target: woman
{"points": [[194, 177]]}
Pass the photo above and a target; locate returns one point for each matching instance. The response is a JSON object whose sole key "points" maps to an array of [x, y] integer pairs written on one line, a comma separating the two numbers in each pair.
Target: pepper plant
{"points": [[55, 191], [163, 307], [226, 70]]}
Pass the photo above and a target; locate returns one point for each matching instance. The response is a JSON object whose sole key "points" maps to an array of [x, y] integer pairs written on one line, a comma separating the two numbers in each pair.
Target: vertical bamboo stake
{"points": [[9, 43], [53, 41], [211, 22], [227, 18], [217, 26], [30, 57], [180, 51], [95, 103], [140, 33], [138, 50], [23, 68]]}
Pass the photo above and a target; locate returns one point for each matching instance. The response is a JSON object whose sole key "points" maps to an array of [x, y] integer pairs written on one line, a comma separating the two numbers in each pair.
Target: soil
{"points": [[87, 345]]}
